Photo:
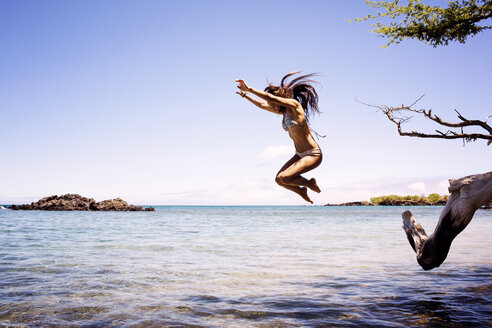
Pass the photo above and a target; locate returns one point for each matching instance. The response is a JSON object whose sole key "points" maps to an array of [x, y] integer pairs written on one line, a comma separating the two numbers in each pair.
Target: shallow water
{"points": [[238, 267]]}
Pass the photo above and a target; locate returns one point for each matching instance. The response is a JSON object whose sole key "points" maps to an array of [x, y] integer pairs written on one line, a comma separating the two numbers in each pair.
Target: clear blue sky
{"points": [[136, 99]]}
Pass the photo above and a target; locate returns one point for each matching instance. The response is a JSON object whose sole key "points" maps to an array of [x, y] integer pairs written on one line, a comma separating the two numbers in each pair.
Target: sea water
{"points": [[238, 267]]}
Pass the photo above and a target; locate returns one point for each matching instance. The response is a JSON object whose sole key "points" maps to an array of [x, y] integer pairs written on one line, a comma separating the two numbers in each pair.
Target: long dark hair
{"points": [[300, 89]]}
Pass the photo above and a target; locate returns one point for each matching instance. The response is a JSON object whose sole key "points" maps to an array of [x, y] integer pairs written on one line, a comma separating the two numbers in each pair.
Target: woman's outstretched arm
{"points": [[257, 103], [290, 103]]}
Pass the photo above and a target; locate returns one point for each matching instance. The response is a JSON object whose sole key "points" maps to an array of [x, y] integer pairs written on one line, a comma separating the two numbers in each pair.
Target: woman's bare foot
{"points": [[304, 195], [313, 185]]}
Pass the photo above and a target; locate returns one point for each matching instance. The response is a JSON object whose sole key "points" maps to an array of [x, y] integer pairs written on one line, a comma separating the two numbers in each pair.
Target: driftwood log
{"points": [[467, 195]]}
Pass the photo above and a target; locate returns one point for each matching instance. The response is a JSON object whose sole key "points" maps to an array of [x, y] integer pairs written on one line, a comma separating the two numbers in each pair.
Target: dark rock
{"points": [[391, 202], [361, 203], [75, 202]]}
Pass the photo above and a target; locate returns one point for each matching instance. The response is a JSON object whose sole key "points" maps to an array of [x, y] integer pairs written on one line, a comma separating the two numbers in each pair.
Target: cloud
{"points": [[272, 152], [264, 191], [340, 190], [241, 192], [419, 187], [443, 186], [431, 185], [260, 191]]}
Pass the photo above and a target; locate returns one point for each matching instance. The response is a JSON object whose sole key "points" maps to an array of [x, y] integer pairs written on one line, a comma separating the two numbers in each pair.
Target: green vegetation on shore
{"points": [[395, 200], [432, 198]]}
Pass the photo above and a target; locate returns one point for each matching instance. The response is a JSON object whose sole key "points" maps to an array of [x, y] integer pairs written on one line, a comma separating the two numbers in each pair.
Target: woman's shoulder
{"points": [[298, 111]]}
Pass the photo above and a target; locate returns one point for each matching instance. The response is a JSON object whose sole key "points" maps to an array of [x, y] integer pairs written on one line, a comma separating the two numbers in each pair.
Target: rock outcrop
{"points": [[391, 202], [75, 202], [361, 203]]}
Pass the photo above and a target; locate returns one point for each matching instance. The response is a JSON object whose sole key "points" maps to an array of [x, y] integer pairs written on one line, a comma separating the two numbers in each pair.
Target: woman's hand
{"points": [[242, 85], [241, 93]]}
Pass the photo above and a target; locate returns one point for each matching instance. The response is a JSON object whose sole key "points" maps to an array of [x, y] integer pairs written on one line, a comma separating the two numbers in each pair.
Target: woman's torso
{"points": [[299, 132]]}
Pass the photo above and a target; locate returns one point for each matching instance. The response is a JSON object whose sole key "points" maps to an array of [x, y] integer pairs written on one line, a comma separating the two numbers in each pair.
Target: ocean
{"points": [[247, 266]]}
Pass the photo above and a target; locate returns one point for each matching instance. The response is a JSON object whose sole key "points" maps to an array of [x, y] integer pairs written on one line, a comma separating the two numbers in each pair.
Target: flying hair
{"points": [[301, 89]]}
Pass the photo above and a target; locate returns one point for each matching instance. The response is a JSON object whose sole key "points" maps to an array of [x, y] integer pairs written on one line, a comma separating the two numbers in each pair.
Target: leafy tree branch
{"points": [[431, 24]]}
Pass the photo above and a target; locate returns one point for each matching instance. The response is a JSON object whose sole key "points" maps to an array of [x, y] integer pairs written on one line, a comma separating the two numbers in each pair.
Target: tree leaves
{"points": [[431, 24]]}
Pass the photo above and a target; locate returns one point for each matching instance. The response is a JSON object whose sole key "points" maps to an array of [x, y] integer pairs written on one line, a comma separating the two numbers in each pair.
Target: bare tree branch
{"points": [[403, 114]]}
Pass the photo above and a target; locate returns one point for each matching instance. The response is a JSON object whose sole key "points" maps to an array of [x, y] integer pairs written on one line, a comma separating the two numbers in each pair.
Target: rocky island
{"points": [[394, 200], [75, 202]]}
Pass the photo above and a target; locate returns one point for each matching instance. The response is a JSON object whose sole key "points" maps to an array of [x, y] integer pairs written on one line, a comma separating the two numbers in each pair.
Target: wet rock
{"points": [[361, 203], [75, 202], [391, 202]]}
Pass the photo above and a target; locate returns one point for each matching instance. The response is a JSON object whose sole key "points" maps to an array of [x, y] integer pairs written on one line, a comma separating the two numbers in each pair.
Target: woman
{"points": [[295, 101]]}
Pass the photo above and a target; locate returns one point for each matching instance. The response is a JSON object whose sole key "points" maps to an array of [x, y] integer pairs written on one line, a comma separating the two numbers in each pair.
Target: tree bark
{"points": [[467, 195]]}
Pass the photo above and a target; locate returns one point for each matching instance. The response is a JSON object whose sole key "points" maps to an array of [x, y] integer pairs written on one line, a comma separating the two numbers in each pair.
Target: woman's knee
{"points": [[281, 179]]}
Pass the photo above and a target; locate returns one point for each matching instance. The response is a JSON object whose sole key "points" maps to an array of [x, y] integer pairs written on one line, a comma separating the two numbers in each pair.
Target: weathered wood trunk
{"points": [[467, 195]]}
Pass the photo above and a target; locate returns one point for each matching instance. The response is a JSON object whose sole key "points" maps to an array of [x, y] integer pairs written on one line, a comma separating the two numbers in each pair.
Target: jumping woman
{"points": [[295, 101]]}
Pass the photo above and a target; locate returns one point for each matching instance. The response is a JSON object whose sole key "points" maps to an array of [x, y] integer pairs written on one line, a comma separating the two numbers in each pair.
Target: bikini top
{"points": [[288, 122]]}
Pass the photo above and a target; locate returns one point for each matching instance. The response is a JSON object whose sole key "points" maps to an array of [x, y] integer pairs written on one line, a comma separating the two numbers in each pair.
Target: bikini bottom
{"points": [[310, 152]]}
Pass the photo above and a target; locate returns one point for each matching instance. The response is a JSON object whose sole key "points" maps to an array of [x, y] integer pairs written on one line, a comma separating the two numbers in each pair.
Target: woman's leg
{"points": [[291, 175], [301, 191], [286, 179]]}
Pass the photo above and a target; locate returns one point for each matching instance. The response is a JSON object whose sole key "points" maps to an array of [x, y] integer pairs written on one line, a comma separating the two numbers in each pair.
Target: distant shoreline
{"points": [[383, 201], [395, 200], [394, 203]]}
